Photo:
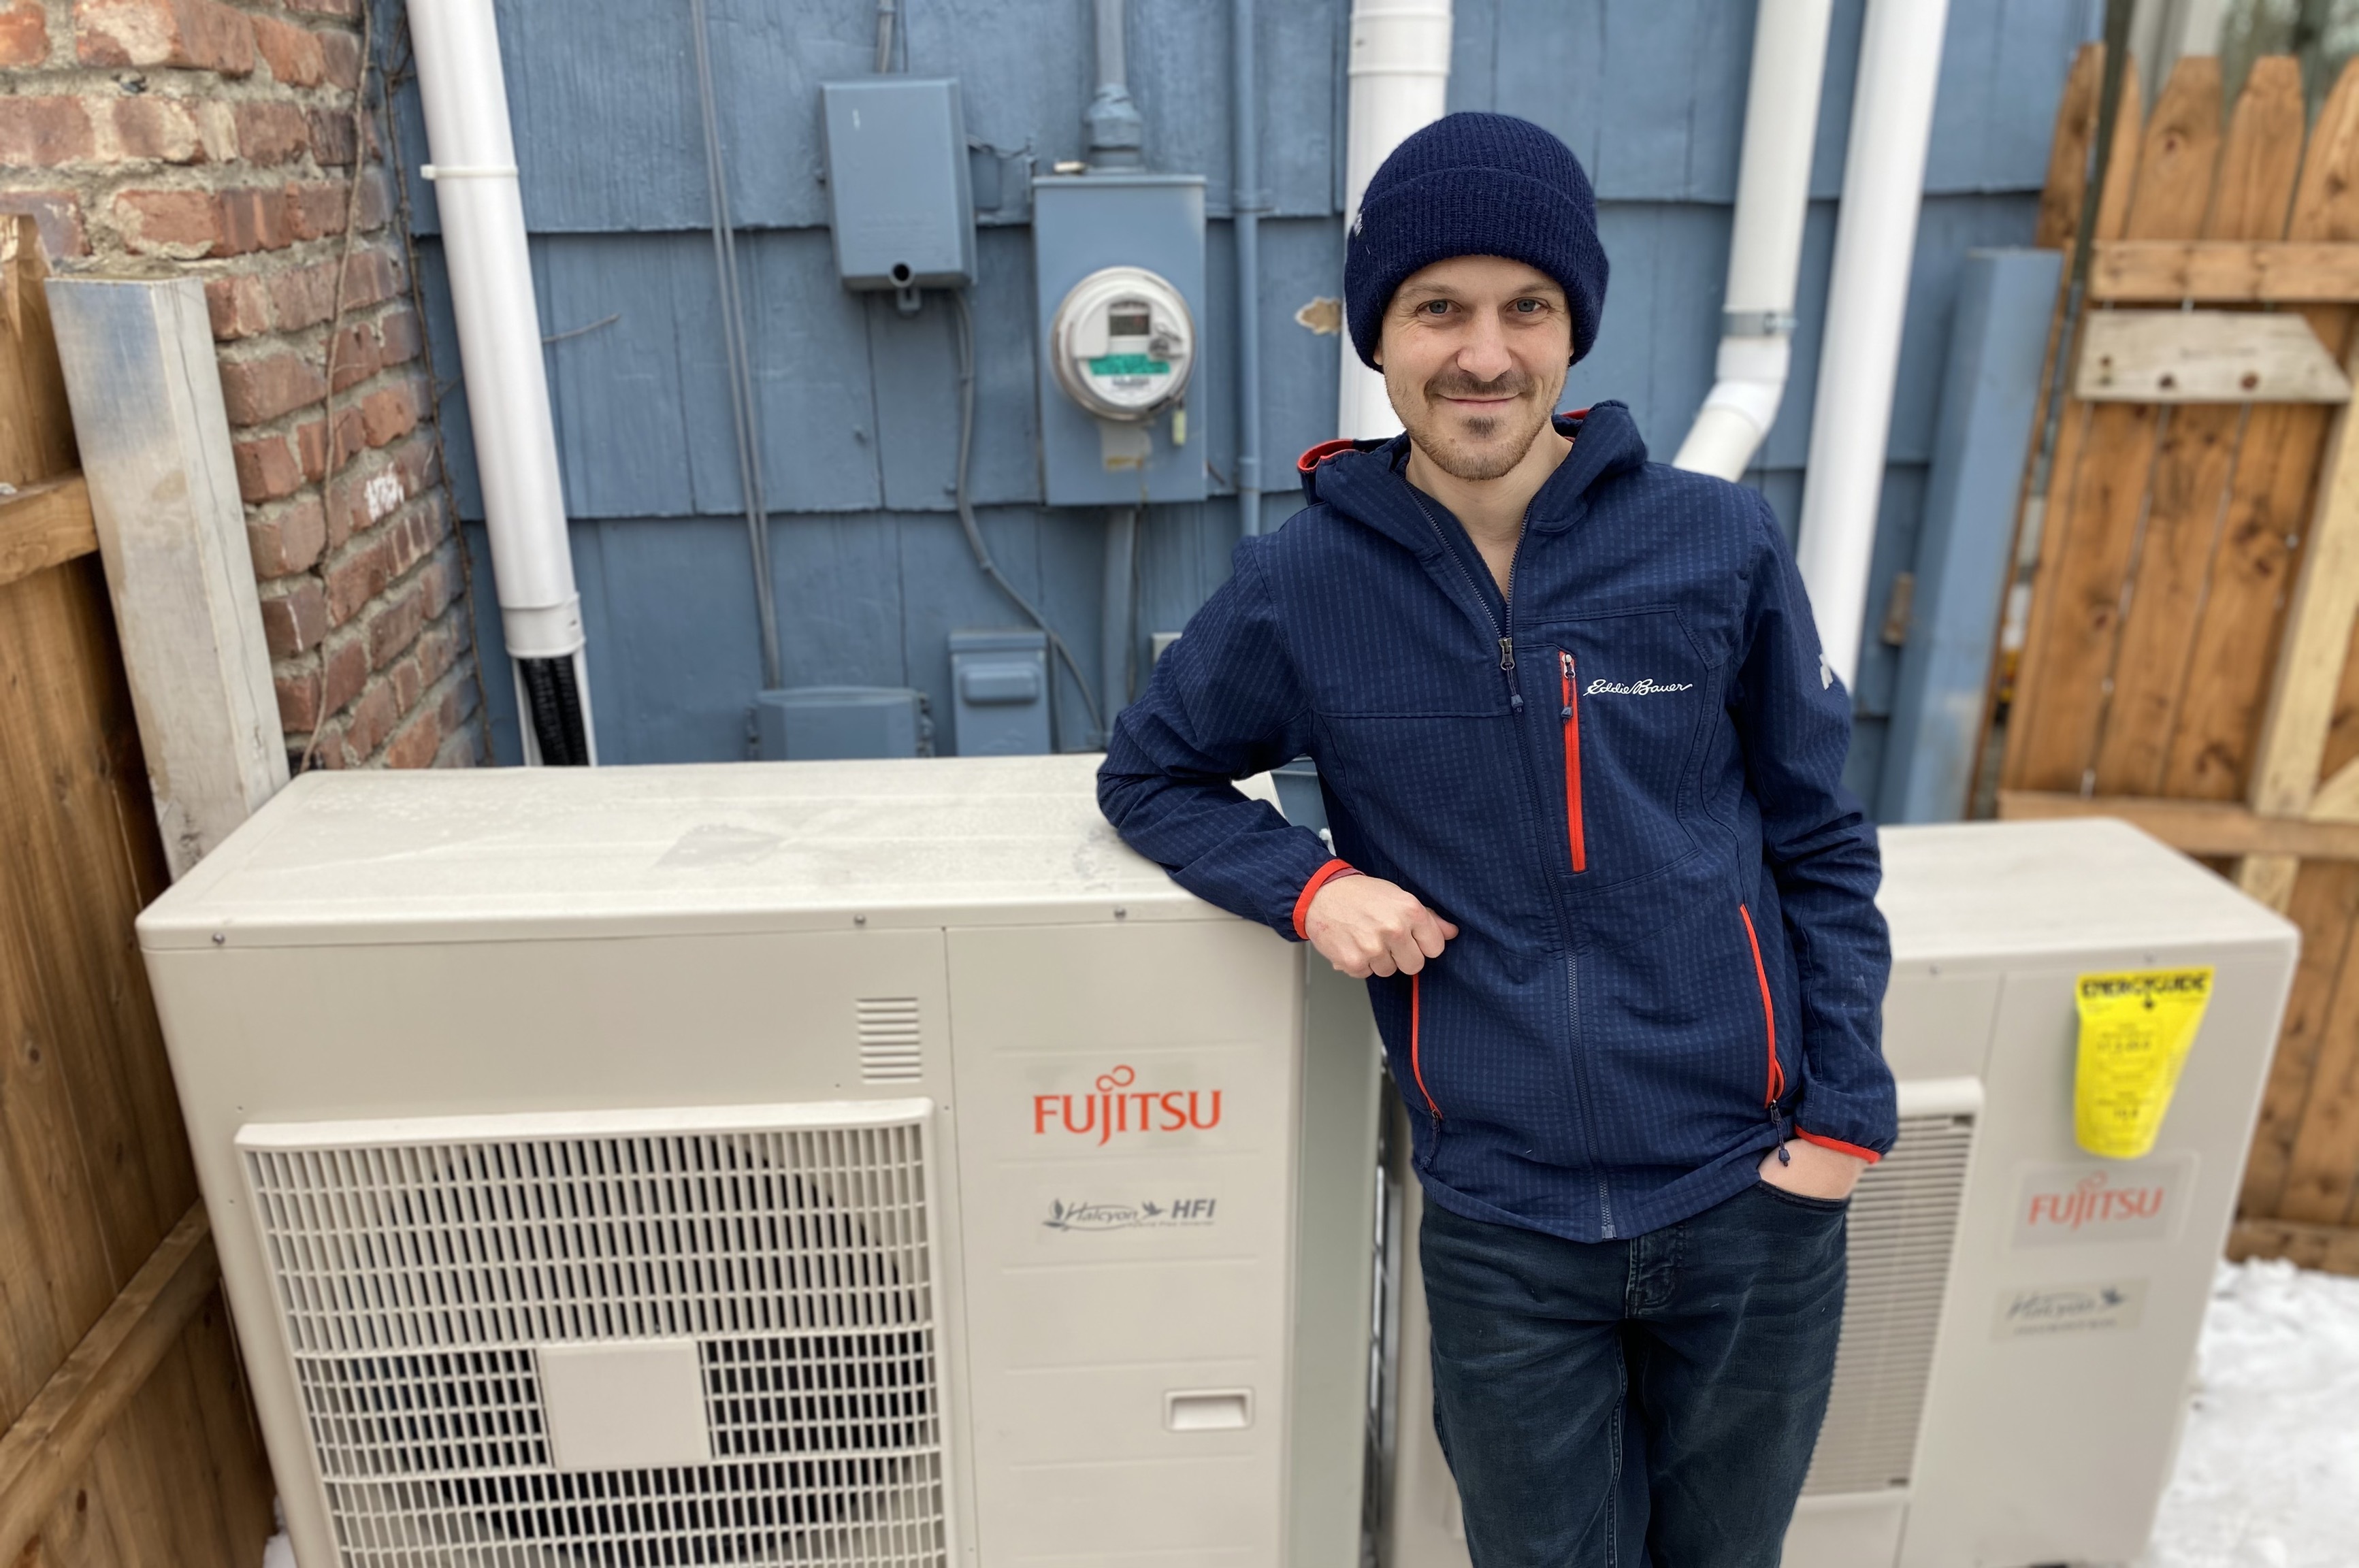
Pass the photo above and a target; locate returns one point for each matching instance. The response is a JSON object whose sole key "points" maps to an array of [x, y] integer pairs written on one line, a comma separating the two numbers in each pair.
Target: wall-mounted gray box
{"points": [[898, 182], [809, 724], [999, 693], [1082, 222]]}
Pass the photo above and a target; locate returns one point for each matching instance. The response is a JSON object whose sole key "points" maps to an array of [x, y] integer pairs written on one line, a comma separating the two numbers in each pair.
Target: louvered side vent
{"points": [[424, 1273], [1904, 1221], [890, 1052]]}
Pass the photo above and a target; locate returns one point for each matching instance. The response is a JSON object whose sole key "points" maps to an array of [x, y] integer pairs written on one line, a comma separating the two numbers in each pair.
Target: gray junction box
{"points": [[1085, 223], [898, 185], [816, 723], [999, 685]]}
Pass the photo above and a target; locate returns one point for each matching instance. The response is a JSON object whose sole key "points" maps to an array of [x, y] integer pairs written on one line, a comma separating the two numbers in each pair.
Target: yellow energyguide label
{"points": [[2136, 1029]]}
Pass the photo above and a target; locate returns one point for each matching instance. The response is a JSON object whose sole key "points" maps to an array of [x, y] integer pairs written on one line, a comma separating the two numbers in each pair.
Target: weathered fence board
{"points": [[144, 1452], [2187, 661]]}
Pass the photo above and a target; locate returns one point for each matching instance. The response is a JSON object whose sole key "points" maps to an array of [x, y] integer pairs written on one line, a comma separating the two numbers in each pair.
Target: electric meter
{"points": [[1122, 344]]}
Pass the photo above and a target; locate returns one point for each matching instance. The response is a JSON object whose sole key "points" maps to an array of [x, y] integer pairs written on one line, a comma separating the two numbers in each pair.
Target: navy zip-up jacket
{"points": [[1622, 785]]}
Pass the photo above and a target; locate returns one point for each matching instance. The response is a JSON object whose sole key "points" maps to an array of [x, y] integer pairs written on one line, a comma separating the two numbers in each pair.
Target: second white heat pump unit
{"points": [[826, 1163], [2019, 1338]]}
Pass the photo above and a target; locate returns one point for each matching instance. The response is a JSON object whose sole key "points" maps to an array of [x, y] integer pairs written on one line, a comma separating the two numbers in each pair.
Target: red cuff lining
{"points": [[1318, 878], [1839, 1146]]}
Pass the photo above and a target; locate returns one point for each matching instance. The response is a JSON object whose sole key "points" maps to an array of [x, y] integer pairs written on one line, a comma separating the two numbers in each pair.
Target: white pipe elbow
{"points": [[1742, 405]]}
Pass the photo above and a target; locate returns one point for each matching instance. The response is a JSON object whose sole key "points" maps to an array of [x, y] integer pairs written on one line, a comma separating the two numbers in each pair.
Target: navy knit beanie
{"points": [[1475, 185]]}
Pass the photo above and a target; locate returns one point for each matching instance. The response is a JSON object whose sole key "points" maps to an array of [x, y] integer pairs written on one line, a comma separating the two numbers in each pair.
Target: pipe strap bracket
{"points": [[1756, 323]]}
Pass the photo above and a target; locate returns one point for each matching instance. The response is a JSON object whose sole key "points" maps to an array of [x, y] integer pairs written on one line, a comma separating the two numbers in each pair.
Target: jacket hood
{"points": [[1362, 480]]}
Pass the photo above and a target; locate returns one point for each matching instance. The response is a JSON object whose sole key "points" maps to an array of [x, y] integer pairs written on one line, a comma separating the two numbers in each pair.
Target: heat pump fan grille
{"points": [[420, 1276], [1903, 1219]]}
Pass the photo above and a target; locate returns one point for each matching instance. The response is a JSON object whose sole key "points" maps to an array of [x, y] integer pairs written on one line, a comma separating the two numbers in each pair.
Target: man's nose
{"points": [[1483, 353]]}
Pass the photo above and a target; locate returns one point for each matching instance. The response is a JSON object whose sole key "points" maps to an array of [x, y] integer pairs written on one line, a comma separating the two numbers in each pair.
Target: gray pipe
{"points": [[1113, 620], [1117, 135], [1246, 204]]}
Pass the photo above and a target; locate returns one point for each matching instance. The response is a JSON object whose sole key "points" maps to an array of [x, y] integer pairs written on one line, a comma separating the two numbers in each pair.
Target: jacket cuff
{"points": [[1318, 878], [1838, 1145]]}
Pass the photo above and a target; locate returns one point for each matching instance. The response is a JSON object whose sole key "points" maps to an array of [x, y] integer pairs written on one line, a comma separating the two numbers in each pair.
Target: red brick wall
{"points": [[217, 140]]}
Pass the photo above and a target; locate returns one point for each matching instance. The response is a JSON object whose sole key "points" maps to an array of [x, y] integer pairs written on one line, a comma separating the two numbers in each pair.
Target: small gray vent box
{"points": [[898, 183], [809, 724], [999, 686]]}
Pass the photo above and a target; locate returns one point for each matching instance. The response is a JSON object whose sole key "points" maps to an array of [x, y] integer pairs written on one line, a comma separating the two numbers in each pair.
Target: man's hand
{"points": [[1366, 925], [1817, 1171]]}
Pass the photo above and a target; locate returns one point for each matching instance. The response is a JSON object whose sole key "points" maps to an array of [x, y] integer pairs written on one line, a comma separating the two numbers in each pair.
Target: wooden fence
{"points": [[2187, 659], [128, 1440]]}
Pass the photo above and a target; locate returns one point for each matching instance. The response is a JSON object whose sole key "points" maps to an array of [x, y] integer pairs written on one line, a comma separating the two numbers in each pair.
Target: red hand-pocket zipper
{"points": [[1416, 1067], [1768, 1012], [1575, 835]]}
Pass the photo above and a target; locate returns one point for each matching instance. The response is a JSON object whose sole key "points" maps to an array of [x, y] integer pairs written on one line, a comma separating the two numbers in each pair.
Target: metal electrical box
{"points": [[814, 724], [1152, 227], [898, 183], [999, 693]]}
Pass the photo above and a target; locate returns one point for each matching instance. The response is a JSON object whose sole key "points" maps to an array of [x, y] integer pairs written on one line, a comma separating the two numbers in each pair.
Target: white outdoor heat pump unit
{"points": [[818, 1163], [2019, 1336]]}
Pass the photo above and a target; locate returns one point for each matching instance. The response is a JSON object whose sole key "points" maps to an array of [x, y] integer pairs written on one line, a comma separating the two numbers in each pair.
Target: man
{"points": [[1580, 752]]}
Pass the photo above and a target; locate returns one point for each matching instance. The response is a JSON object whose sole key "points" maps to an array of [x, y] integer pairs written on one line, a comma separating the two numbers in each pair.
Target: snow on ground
{"points": [[2268, 1471]]}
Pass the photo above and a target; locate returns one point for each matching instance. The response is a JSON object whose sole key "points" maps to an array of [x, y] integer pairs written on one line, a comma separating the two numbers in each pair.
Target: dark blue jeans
{"points": [[1650, 1402]]}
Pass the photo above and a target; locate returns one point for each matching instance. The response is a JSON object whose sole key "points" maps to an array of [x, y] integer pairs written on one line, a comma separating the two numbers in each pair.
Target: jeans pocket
{"points": [[1803, 1200]]}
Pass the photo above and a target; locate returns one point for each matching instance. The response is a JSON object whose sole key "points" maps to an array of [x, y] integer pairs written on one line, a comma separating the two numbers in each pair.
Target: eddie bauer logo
{"points": [[1145, 1215], [1117, 1107], [1647, 687]]}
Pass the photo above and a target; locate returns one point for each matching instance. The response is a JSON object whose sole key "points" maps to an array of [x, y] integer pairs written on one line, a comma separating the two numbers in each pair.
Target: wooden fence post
{"points": [[145, 392]]}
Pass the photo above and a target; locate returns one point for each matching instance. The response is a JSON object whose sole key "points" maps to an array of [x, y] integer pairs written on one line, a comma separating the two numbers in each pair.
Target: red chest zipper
{"points": [[1575, 835]]}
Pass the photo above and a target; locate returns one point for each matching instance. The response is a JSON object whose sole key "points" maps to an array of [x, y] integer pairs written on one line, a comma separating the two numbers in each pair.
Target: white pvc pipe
{"points": [[1399, 74], [1875, 237], [1765, 247], [457, 47]]}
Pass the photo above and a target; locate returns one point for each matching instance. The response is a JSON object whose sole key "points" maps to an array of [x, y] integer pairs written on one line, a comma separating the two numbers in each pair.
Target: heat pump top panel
{"points": [[1996, 892], [431, 856]]}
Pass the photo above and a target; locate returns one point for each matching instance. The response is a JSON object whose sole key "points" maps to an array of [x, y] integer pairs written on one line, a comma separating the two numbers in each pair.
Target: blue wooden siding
{"points": [[858, 404]]}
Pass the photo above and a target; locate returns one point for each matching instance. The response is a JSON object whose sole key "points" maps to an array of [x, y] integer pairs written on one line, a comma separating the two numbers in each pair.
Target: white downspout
{"points": [[1875, 237], [1400, 83], [1764, 246], [457, 46]]}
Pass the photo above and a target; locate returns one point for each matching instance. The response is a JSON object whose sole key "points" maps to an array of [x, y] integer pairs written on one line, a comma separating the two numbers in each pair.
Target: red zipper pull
{"points": [[1576, 834]]}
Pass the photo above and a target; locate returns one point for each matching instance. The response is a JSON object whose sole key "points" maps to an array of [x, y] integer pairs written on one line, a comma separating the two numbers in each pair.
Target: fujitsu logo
{"points": [[1119, 1107], [2093, 1200]]}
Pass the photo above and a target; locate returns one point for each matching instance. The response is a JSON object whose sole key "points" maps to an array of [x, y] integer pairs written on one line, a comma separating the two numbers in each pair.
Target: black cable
{"points": [[555, 703], [974, 535]]}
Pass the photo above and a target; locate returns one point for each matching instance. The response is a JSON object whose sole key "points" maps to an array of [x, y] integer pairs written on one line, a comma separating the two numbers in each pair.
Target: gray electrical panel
{"points": [[999, 691], [898, 182], [1082, 224], [809, 724]]}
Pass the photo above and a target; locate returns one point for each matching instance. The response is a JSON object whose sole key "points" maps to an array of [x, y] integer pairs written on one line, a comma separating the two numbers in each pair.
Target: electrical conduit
{"points": [[457, 47], [1400, 75], [1765, 249], [1875, 238], [1247, 203]]}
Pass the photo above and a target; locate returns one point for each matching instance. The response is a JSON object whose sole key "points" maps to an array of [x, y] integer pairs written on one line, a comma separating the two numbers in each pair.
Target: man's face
{"points": [[1475, 350]]}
